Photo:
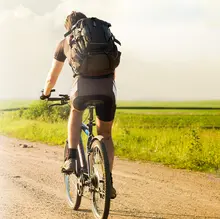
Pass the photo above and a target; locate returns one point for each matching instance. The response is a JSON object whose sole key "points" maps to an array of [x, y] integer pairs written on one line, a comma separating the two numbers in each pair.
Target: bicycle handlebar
{"points": [[63, 98], [58, 98]]}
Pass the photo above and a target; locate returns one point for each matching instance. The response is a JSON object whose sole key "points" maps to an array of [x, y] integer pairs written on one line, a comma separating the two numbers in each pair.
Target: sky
{"points": [[170, 49]]}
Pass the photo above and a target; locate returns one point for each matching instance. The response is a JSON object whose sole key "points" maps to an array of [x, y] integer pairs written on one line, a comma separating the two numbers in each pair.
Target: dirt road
{"points": [[32, 187]]}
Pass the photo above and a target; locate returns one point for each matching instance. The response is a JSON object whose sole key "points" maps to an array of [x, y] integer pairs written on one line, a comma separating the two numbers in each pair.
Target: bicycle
{"points": [[88, 168]]}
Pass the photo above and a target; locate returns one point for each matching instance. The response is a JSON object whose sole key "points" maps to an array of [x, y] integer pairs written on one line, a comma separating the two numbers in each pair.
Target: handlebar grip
{"points": [[66, 96], [54, 99]]}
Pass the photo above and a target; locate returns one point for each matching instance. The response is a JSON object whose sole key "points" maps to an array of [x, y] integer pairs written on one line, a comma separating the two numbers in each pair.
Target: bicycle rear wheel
{"points": [[100, 178], [72, 185]]}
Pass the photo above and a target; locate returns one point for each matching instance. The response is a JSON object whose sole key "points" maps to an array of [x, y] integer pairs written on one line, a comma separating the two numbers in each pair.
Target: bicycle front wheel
{"points": [[100, 179]]}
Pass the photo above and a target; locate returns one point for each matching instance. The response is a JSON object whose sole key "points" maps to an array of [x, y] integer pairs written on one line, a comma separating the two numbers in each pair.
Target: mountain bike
{"points": [[92, 167]]}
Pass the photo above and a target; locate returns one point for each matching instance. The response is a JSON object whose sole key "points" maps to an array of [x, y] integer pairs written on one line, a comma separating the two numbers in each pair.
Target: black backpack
{"points": [[93, 49]]}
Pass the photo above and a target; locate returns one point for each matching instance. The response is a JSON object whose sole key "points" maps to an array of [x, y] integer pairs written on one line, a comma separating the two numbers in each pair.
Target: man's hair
{"points": [[72, 18]]}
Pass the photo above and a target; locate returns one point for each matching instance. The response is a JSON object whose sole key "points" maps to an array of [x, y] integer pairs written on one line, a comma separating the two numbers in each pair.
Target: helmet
{"points": [[72, 18]]}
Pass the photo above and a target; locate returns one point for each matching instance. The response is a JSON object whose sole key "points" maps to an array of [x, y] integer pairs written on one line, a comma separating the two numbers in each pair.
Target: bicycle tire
{"points": [[97, 145], [73, 197]]}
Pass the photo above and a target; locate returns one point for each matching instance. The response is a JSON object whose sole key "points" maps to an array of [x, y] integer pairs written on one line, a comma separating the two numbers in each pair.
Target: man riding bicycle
{"points": [[85, 88]]}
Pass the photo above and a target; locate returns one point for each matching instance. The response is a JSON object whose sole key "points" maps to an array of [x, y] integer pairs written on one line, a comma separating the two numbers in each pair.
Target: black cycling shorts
{"points": [[105, 106]]}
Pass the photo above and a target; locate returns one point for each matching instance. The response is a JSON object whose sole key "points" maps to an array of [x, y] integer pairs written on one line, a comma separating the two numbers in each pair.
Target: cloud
{"points": [[38, 7], [166, 45]]}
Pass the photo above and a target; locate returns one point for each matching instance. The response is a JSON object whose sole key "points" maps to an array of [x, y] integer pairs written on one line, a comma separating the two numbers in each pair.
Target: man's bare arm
{"points": [[52, 76]]}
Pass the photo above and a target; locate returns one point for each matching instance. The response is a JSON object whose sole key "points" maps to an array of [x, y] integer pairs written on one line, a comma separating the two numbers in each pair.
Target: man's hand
{"points": [[43, 97]]}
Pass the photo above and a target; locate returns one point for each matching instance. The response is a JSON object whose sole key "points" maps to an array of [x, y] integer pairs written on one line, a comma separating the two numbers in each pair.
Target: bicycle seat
{"points": [[83, 102], [93, 103]]}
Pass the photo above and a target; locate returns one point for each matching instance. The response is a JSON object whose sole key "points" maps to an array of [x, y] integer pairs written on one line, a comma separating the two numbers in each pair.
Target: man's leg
{"points": [[105, 129], [74, 128]]}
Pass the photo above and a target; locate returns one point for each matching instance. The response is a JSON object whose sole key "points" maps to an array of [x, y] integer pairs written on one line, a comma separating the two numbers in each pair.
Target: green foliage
{"points": [[191, 142], [188, 141], [51, 133], [36, 110], [195, 150], [40, 110]]}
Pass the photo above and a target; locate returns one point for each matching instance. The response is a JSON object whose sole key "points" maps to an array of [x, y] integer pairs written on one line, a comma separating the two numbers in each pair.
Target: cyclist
{"points": [[83, 90]]}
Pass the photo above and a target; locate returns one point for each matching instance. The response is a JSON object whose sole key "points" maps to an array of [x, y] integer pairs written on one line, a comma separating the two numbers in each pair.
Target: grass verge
{"points": [[182, 141]]}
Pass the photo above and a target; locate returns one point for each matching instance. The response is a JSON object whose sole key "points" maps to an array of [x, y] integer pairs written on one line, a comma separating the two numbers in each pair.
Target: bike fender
{"points": [[98, 137]]}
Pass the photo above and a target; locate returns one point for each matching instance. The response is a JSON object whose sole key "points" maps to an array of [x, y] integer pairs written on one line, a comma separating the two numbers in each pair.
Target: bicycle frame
{"points": [[88, 130]]}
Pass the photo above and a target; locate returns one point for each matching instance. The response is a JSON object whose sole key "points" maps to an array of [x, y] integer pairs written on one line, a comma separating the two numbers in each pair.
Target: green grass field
{"points": [[9, 104], [207, 103], [182, 139]]}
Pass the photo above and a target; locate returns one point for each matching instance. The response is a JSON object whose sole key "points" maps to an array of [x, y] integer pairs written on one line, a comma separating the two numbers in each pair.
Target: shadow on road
{"points": [[150, 215], [85, 210], [154, 215]]}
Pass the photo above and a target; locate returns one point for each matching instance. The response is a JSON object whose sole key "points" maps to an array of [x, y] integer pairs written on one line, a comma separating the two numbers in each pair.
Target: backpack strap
{"points": [[68, 33], [72, 28], [117, 41]]}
